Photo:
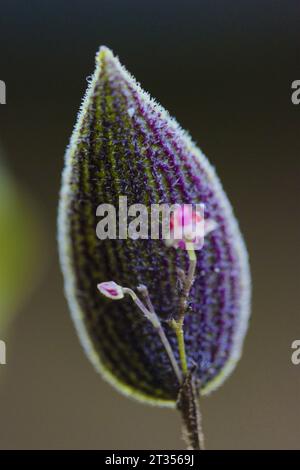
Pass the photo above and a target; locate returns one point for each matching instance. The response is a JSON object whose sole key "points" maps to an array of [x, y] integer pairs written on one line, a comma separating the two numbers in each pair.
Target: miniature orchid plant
{"points": [[187, 231], [192, 290]]}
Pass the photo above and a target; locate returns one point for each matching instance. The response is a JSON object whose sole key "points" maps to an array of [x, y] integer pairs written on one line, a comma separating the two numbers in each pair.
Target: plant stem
{"points": [[187, 282], [170, 353], [178, 328], [188, 405], [153, 318]]}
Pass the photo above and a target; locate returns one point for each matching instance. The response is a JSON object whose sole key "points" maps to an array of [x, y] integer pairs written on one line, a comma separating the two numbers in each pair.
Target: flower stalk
{"points": [[153, 318], [186, 281], [106, 288]]}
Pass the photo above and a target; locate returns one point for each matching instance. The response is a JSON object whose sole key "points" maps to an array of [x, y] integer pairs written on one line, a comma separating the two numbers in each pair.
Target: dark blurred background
{"points": [[224, 69]]}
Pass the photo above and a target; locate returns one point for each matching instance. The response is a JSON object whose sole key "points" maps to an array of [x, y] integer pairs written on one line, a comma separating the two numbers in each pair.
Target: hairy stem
{"points": [[189, 407]]}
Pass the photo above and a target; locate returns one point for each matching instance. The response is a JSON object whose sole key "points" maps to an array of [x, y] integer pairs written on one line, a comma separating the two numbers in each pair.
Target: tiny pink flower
{"points": [[188, 228], [111, 290]]}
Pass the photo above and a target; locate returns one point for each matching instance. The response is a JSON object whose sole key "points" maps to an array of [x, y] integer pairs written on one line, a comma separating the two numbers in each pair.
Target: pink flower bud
{"points": [[111, 290]]}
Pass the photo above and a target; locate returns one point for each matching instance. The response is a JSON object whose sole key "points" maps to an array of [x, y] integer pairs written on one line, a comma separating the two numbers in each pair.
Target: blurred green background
{"points": [[224, 69]]}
